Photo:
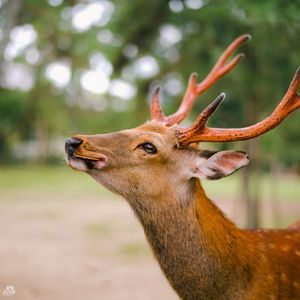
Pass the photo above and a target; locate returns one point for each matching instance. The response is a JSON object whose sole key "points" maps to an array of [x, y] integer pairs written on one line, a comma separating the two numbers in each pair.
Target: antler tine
{"points": [[291, 100], [156, 112], [209, 110], [194, 90], [198, 132]]}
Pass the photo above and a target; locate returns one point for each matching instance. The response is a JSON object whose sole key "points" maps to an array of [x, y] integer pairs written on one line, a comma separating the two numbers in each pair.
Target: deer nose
{"points": [[71, 145]]}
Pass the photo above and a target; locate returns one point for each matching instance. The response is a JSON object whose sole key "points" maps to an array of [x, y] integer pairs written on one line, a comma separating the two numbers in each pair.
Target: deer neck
{"points": [[200, 251]]}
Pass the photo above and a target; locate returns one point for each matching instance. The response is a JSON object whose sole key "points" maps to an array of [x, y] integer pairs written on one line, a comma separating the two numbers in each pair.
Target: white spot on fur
{"points": [[77, 164]]}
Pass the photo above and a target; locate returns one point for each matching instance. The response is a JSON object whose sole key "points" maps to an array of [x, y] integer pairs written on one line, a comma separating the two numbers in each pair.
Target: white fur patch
{"points": [[77, 164]]}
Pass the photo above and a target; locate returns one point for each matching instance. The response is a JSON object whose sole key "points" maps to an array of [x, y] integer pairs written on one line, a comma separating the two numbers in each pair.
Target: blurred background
{"points": [[69, 67]]}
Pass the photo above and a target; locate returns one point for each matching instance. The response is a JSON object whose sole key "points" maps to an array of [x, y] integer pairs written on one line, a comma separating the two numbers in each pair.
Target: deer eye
{"points": [[149, 148]]}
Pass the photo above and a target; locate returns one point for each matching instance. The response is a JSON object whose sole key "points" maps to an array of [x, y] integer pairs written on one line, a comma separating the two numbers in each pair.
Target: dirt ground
{"points": [[80, 249], [83, 249]]}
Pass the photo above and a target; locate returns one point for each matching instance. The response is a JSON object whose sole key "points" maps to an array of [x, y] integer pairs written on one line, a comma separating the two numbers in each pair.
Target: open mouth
{"points": [[82, 163]]}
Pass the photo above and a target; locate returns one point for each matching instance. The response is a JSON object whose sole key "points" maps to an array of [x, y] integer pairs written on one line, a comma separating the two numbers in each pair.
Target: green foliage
{"points": [[12, 110], [12, 119]]}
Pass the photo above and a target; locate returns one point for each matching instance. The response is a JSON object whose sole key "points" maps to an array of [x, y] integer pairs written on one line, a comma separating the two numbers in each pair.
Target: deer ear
{"points": [[219, 164]]}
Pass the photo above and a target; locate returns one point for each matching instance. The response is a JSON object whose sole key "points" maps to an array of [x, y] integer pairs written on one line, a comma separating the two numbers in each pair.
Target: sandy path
{"points": [[82, 249]]}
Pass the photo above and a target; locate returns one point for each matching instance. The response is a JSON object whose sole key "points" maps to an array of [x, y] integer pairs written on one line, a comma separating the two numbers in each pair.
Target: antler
{"points": [[194, 90], [198, 132]]}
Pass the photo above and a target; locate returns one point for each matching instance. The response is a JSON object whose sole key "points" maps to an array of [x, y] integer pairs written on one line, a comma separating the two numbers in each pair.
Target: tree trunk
{"points": [[251, 187], [10, 12], [42, 139], [142, 110], [251, 182], [274, 180]]}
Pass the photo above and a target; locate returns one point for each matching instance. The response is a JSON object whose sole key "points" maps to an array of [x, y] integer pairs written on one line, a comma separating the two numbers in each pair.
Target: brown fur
{"points": [[202, 253], [205, 256]]}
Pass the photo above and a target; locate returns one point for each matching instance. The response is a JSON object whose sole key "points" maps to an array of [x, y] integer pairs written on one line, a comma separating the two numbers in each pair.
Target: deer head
{"points": [[145, 161]]}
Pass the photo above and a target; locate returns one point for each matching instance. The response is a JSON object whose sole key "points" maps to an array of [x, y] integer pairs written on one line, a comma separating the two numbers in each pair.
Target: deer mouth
{"points": [[85, 163], [82, 156]]}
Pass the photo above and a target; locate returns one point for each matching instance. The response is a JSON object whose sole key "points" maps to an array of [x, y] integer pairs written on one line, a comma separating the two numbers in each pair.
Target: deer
{"points": [[158, 167]]}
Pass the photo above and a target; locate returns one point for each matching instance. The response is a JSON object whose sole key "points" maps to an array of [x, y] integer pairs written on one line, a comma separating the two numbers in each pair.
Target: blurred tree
{"points": [[12, 111], [9, 16]]}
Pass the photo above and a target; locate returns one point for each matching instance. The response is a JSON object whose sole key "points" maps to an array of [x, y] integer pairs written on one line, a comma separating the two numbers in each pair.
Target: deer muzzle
{"points": [[82, 156]]}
